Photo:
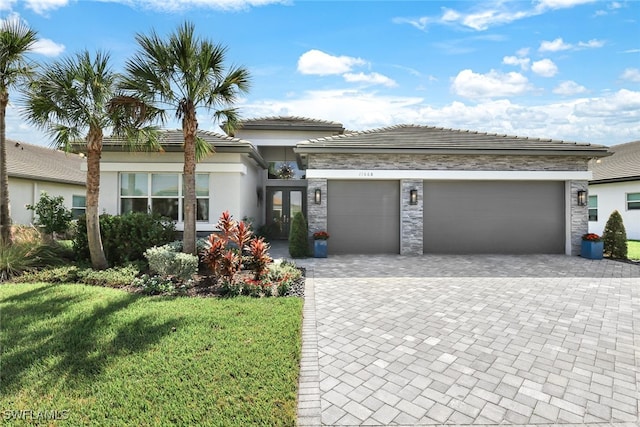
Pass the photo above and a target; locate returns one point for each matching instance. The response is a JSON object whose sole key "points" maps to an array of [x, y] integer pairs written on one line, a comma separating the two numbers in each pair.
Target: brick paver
{"points": [[519, 340]]}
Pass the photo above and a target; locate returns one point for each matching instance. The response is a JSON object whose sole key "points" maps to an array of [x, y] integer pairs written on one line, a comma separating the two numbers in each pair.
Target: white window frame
{"points": [[590, 208], [180, 196], [627, 201], [78, 210]]}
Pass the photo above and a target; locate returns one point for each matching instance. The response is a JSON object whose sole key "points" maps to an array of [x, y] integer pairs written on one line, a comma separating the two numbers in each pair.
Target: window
{"points": [[593, 208], [162, 193], [78, 206], [633, 201]]}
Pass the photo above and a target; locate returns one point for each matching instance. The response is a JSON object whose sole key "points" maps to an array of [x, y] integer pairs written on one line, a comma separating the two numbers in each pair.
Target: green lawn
{"points": [[101, 356], [633, 249]]}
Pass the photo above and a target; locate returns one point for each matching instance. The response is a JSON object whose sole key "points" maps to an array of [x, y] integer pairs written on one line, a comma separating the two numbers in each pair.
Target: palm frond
{"points": [[203, 149]]}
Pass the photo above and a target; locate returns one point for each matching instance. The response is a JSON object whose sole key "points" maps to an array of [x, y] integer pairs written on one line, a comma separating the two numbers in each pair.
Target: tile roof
{"points": [[436, 139], [290, 122], [173, 139], [42, 163], [623, 165]]}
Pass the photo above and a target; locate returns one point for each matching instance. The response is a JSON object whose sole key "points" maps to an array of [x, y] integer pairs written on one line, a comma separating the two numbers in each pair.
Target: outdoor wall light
{"points": [[413, 197], [582, 198], [317, 196]]}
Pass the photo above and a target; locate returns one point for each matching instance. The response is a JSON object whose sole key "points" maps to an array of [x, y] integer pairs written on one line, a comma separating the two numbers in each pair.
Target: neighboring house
{"points": [[616, 186], [34, 169], [404, 189]]}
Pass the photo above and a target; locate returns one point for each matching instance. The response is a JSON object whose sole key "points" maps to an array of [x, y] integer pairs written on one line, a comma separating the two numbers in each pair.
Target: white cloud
{"points": [[523, 63], [491, 85], [609, 119], [569, 88], [561, 4], [48, 47], [371, 78], [484, 15], [544, 68], [182, 5], [554, 46], [631, 74], [559, 45], [42, 7], [319, 63], [594, 43], [7, 4]]}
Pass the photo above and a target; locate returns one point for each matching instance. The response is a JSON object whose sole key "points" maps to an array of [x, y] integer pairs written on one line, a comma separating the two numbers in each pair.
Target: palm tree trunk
{"points": [[189, 129], [94, 149], [5, 211]]}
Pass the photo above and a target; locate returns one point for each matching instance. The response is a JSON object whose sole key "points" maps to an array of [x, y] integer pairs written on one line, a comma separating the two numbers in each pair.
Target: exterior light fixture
{"points": [[317, 196], [582, 198], [413, 197]]}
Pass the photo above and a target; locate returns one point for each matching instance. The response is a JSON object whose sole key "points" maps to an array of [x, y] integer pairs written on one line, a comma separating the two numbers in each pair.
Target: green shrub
{"points": [[165, 261], [125, 237], [282, 275], [615, 237], [155, 285], [63, 274], [298, 237], [115, 277], [28, 252], [52, 214]]}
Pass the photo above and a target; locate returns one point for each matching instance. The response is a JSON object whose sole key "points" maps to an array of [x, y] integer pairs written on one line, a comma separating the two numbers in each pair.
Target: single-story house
{"points": [[34, 169], [403, 189], [616, 186]]}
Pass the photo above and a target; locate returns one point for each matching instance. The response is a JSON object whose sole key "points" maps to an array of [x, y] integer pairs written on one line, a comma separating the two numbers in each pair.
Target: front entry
{"points": [[282, 204]]}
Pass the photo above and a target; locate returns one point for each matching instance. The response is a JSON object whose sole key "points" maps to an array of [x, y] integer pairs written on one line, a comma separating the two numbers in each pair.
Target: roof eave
{"points": [[614, 180], [47, 179], [356, 150]]}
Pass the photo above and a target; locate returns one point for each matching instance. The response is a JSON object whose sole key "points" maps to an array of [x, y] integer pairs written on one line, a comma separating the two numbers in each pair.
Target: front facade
{"points": [[416, 189], [405, 189], [616, 186], [34, 170]]}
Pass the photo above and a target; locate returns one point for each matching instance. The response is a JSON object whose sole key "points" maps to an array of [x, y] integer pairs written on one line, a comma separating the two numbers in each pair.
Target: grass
{"points": [[101, 356], [633, 249]]}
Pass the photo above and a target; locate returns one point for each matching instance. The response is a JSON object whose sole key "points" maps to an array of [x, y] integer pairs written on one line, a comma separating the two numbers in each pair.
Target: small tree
{"points": [[615, 237], [298, 240], [53, 215]]}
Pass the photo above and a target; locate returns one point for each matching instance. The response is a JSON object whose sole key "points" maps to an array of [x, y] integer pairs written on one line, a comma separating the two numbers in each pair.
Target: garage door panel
{"points": [[493, 217], [363, 216]]}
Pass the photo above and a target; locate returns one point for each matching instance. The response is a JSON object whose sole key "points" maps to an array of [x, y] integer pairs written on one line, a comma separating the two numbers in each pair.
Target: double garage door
{"points": [[459, 217]]}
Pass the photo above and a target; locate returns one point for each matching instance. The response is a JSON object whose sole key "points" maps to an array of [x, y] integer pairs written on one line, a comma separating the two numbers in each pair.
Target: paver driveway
{"points": [[392, 340]]}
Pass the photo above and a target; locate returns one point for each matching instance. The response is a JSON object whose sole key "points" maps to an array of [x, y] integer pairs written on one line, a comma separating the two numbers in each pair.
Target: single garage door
{"points": [[501, 217], [363, 217]]}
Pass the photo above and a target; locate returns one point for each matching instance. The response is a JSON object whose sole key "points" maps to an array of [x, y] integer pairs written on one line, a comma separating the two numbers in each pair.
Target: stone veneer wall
{"points": [[411, 216], [411, 224]]}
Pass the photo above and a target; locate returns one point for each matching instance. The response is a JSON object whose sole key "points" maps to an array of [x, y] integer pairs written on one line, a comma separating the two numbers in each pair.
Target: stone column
{"points": [[316, 214], [579, 215], [411, 218]]}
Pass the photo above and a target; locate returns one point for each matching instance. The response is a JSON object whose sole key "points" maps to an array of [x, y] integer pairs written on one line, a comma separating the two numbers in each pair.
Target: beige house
{"points": [[35, 169]]}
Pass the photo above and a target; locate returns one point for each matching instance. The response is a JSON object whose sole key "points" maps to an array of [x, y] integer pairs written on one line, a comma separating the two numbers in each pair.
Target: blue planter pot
{"points": [[320, 248], [591, 250]]}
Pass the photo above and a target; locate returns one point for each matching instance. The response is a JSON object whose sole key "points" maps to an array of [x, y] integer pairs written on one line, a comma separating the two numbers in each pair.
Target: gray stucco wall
{"points": [[411, 215]]}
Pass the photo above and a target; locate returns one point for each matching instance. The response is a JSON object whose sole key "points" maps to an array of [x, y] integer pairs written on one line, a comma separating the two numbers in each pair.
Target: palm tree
{"points": [[71, 100], [182, 74], [16, 39]]}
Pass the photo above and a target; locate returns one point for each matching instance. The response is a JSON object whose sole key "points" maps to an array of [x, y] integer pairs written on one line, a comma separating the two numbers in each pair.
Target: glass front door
{"points": [[282, 204]]}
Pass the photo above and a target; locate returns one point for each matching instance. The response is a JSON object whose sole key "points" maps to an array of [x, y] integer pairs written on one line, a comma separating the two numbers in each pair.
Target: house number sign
{"points": [[365, 173]]}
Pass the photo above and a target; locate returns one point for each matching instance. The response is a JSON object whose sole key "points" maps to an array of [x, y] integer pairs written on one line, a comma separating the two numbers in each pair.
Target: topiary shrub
{"points": [[125, 237], [298, 237], [615, 237]]}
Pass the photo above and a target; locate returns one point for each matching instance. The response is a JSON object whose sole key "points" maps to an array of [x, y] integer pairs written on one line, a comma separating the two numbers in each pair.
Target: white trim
{"points": [[450, 175], [173, 167]]}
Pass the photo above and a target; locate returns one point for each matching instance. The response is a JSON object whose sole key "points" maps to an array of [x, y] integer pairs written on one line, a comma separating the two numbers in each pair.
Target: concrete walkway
{"points": [[470, 340]]}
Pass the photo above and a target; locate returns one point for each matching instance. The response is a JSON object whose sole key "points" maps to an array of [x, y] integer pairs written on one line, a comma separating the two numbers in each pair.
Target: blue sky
{"points": [[562, 69]]}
